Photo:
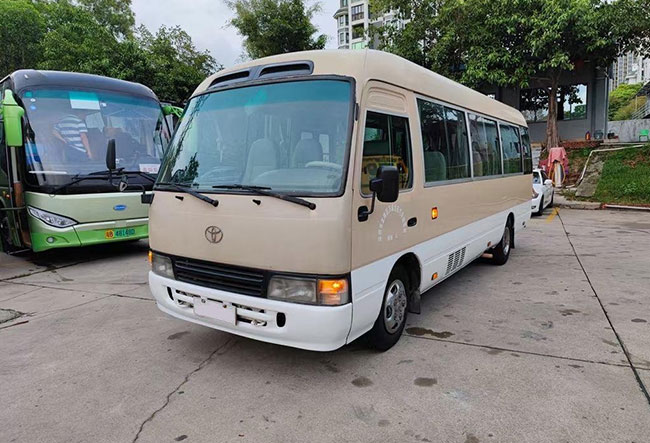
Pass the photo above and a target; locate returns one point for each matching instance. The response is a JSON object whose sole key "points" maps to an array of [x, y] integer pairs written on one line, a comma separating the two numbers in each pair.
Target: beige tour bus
{"points": [[308, 199]]}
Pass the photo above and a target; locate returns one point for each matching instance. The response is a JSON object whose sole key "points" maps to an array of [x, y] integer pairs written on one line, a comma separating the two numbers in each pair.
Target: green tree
{"points": [[626, 111], [116, 15], [621, 96], [75, 41], [176, 66], [21, 30], [511, 42], [272, 27]]}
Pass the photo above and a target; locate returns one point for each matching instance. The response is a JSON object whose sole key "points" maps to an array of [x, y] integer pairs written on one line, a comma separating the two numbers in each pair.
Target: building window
{"points": [[357, 32], [359, 45], [344, 3], [572, 103], [486, 154], [444, 141], [386, 142], [357, 12], [343, 20], [343, 38]]}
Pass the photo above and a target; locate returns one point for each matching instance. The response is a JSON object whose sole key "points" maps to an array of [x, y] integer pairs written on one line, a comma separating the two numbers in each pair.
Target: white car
{"points": [[542, 192]]}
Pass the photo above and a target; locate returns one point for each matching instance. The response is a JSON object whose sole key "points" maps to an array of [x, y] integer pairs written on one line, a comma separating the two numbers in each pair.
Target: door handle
{"points": [[412, 222]]}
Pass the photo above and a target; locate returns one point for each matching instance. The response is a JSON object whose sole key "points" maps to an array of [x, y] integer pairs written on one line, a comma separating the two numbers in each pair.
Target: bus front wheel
{"points": [[5, 234], [390, 322]]}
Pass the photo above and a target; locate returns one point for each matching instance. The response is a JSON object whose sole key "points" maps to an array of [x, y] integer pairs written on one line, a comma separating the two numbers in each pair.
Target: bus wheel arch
{"points": [[410, 263], [511, 222]]}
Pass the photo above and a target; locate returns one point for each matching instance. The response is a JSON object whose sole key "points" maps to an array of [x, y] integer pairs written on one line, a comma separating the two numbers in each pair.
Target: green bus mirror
{"points": [[12, 118], [172, 110]]}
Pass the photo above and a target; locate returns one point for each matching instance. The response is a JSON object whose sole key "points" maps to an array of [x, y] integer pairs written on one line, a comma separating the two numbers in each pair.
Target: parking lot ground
{"points": [[552, 347]]}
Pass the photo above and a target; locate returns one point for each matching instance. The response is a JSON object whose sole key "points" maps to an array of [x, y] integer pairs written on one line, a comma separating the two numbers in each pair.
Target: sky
{"points": [[206, 22]]}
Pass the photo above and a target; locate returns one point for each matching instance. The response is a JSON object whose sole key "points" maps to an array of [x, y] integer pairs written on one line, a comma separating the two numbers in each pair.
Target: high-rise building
{"points": [[355, 24], [630, 68]]}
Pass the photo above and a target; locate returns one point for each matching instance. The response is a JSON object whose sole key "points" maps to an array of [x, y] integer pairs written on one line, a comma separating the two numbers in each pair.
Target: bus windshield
{"points": [[68, 133], [289, 137]]}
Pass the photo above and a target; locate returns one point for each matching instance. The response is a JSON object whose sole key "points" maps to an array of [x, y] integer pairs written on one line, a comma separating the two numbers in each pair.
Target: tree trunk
{"points": [[552, 134]]}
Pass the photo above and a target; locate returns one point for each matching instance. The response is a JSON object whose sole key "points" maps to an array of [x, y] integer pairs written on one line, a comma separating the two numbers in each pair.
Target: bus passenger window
{"points": [[386, 142], [486, 154], [528, 155], [512, 160], [444, 140]]}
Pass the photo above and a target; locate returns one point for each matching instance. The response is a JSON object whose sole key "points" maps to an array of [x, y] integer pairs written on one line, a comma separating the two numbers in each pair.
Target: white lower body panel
{"points": [[316, 328], [442, 255]]}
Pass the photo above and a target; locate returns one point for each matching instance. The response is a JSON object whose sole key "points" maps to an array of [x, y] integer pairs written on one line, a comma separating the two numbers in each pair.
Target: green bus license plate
{"points": [[119, 233]]}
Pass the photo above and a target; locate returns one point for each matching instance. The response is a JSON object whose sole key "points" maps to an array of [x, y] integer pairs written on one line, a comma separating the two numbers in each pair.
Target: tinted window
{"points": [[386, 142], [511, 149], [536, 179], [486, 154], [528, 154], [444, 140]]}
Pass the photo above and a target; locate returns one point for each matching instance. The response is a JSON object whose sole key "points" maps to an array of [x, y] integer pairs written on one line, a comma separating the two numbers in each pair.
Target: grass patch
{"points": [[626, 177]]}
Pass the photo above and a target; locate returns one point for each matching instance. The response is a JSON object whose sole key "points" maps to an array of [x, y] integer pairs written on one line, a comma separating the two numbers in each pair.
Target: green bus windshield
{"points": [[68, 132]]}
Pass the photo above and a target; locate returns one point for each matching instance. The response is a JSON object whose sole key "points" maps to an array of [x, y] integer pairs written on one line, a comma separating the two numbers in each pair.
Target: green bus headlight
{"points": [[58, 221]]}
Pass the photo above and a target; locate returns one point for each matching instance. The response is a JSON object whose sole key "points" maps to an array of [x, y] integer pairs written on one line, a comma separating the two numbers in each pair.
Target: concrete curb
{"points": [[561, 202]]}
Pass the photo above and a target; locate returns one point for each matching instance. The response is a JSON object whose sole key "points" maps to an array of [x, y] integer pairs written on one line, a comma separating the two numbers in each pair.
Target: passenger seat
{"points": [[307, 150], [262, 157]]}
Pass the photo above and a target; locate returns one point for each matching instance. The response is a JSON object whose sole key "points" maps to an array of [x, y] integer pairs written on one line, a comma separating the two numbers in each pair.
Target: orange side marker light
{"points": [[434, 213]]}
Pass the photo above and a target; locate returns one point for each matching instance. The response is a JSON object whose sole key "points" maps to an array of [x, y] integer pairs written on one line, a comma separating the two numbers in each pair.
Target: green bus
{"points": [[79, 154]]}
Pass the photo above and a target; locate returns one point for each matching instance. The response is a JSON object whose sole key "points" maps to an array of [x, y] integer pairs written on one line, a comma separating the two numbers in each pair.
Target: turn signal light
{"points": [[434, 213], [333, 292], [150, 257]]}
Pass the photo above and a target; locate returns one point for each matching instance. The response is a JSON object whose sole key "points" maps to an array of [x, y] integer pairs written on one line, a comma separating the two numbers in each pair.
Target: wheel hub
{"points": [[395, 306]]}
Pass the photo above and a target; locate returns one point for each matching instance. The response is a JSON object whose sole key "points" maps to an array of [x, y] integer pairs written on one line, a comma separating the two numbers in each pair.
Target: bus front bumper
{"points": [[316, 328], [85, 234]]}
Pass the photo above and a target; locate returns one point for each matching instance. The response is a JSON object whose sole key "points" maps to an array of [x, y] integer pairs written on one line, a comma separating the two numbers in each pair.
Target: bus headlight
{"points": [[58, 221], [162, 265], [310, 291]]}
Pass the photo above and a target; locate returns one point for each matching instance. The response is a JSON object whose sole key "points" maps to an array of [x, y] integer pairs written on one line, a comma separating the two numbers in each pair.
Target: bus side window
{"points": [[511, 149], [485, 146], [528, 154], [386, 142], [444, 140]]}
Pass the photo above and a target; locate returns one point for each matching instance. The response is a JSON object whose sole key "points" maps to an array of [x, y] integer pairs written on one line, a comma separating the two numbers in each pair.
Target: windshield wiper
{"points": [[185, 188], [79, 178], [263, 190], [100, 175]]}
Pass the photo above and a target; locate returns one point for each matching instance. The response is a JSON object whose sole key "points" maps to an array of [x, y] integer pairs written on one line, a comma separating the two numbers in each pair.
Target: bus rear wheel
{"points": [[501, 252], [390, 322]]}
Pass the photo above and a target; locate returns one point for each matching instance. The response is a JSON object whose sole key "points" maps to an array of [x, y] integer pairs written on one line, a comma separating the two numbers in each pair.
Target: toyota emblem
{"points": [[213, 234]]}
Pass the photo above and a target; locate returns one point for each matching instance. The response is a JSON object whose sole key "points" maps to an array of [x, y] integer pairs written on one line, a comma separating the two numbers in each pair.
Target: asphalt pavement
{"points": [[552, 347]]}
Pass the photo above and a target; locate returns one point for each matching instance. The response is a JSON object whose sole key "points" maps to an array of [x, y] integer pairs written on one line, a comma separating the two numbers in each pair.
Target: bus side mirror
{"points": [[12, 115], [110, 155], [385, 188], [386, 185]]}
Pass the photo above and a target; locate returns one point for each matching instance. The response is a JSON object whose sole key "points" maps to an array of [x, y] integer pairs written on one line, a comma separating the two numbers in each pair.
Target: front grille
{"points": [[218, 276]]}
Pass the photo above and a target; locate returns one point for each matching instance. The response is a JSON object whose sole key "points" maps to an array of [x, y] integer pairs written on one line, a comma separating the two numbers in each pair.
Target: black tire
{"points": [[501, 252], [382, 336], [540, 210], [4, 235]]}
